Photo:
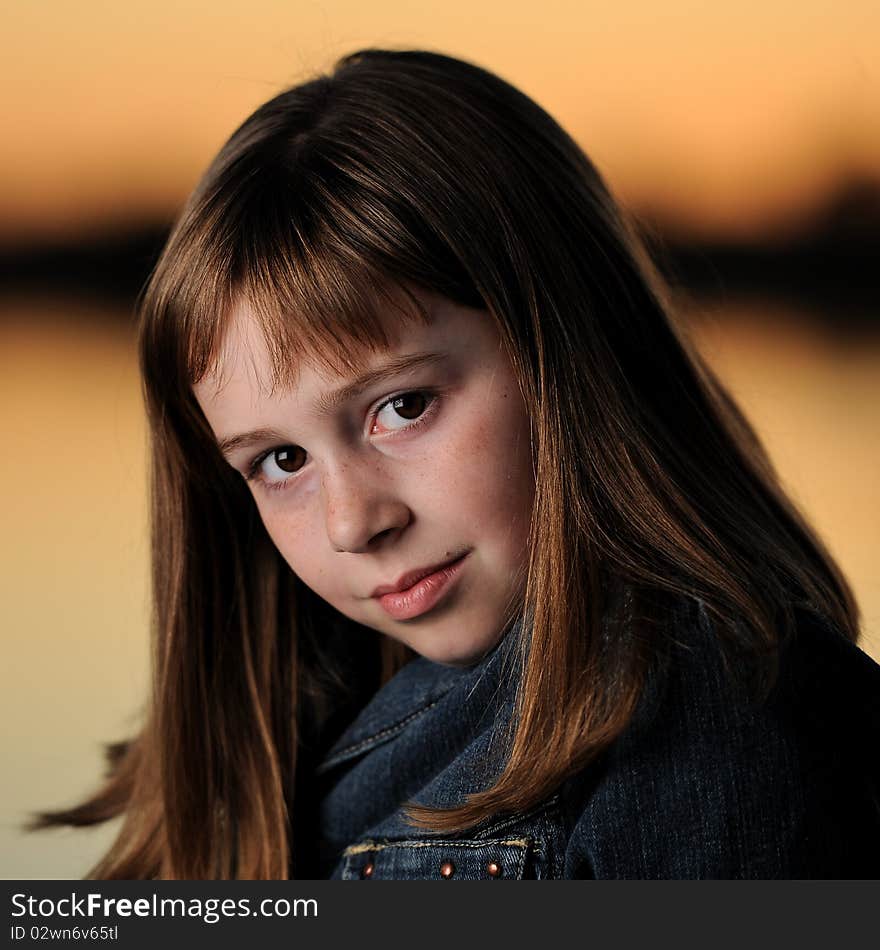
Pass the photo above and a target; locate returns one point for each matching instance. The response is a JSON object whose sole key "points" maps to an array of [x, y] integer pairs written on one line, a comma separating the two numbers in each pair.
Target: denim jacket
{"points": [[702, 784]]}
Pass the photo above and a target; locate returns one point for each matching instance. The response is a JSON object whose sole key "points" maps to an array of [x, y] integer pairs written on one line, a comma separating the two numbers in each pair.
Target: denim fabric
{"points": [[702, 784]]}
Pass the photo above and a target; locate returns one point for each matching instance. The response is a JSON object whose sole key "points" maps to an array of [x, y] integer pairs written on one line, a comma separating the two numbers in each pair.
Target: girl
{"points": [[464, 565]]}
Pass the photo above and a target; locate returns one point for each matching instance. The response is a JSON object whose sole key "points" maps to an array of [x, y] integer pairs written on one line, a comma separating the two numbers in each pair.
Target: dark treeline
{"points": [[828, 269]]}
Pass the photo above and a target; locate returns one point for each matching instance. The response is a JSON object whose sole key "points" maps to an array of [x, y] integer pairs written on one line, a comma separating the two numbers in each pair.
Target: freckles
{"points": [[293, 536]]}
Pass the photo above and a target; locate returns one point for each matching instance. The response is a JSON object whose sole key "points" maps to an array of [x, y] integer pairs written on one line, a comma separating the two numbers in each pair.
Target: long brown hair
{"points": [[409, 169]]}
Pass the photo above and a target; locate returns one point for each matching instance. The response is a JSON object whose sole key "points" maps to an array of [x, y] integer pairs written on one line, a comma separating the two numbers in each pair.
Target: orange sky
{"points": [[728, 117]]}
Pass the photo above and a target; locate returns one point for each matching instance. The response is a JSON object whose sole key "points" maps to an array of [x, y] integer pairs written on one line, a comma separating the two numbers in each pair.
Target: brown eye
{"points": [[289, 458], [410, 405], [399, 411]]}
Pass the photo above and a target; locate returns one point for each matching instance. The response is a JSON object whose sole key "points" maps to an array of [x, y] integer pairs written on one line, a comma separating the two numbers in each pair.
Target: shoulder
{"points": [[707, 784]]}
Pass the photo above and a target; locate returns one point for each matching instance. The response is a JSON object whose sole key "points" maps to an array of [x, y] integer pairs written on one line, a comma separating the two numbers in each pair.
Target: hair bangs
{"points": [[323, 308], [318, 299]]}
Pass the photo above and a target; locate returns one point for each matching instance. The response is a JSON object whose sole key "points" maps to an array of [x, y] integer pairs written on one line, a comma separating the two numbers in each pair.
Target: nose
{"points": [[361, 508]]}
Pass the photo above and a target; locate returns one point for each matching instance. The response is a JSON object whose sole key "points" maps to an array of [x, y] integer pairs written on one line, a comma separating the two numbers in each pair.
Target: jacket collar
{"points": [[408, 695]]}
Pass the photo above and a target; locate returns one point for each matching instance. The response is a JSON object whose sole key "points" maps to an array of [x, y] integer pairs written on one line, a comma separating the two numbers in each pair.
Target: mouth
{"points": [[417, 592]]}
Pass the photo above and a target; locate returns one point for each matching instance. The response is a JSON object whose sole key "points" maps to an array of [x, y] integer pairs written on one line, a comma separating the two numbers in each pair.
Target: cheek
{"points": [[484, 474], [300, 537]]}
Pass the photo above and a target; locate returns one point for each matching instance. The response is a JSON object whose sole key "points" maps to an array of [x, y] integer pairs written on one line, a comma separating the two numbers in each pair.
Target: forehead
{"points": [[251, 361]]}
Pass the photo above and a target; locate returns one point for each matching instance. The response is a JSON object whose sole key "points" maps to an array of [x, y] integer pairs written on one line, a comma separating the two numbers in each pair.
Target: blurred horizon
{"points": [[827, 264]]}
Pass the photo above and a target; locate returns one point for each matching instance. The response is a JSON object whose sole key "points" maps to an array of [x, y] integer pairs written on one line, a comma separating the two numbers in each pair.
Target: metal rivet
{"points": [[368, 870], [493, 869], [447, 869]]}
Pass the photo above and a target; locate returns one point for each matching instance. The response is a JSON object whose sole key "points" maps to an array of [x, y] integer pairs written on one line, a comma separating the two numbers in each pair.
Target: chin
{"points": [[453, 651]]}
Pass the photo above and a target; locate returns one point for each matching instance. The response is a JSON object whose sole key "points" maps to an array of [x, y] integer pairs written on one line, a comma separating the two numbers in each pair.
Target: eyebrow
{"points": [[330, 402]]}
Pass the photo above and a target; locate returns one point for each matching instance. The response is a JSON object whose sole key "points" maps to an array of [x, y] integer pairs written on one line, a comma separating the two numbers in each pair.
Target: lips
{"points": [[405, 581], [419, 592]]}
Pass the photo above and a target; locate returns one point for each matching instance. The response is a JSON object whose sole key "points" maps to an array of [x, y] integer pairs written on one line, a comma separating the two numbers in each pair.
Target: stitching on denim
{"points": [[525, 847], [520, 872], [385, 733], [374, 846], [547, 806]]}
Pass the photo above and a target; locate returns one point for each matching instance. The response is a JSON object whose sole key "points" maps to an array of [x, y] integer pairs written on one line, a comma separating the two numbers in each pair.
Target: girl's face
{"points": [[401, 496]]}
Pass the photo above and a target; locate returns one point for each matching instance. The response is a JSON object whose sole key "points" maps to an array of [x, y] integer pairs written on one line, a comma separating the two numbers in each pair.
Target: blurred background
{"points": [[745, 139]]}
